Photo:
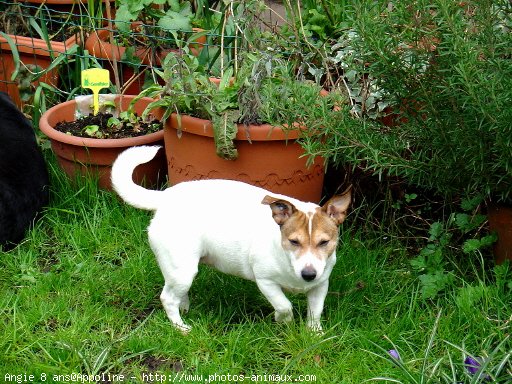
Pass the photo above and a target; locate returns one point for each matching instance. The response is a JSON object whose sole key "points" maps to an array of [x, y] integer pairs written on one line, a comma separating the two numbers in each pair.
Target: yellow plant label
{"points": [[95, 79]]}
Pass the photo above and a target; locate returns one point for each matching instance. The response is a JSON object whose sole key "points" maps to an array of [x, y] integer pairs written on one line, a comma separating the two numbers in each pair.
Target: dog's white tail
{"points": [[122, 181]]}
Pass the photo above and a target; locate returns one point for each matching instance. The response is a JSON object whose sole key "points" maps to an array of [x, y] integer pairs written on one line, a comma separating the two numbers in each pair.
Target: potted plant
{"points": [[93, 153], [244, 126], [142, 35], [27, 60]]}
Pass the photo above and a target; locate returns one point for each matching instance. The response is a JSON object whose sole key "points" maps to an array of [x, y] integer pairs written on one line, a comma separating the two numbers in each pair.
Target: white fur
{"points": [[224, 224]]}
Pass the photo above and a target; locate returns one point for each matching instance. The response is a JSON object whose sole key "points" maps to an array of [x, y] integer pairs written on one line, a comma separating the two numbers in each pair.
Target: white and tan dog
{"points": [[228, 225]]}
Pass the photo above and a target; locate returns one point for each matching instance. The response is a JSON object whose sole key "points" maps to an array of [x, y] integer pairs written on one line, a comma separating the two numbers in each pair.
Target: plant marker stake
{"points": [[95, 79]]}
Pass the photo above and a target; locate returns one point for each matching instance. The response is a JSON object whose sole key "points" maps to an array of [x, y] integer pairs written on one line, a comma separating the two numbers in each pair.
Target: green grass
{"points": [[80, 295]]}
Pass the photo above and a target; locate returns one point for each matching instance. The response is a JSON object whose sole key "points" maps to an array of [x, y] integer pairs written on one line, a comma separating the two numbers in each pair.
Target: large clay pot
{"points": [[500, 221], [271, 159], [94, 157]]}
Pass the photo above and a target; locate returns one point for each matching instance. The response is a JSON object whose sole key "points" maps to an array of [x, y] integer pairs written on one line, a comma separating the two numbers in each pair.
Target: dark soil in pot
{"points": [[104, 128]]}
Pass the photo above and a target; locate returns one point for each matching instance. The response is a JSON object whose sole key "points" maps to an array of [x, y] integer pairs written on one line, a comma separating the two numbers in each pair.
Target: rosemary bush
{"points": [[445, 68]]}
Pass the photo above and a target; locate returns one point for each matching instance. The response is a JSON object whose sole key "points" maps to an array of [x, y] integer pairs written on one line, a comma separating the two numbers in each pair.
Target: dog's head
{"points": [[309, 237]]}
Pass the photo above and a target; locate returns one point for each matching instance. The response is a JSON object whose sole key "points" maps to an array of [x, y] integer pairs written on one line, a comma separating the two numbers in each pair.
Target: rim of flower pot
{"points": [[253, 132], [66, 112], [38, 46]]}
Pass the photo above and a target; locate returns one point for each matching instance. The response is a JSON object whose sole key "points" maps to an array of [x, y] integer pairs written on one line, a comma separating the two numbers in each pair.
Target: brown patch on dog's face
{"points": [[309, 233], [324, 234]]}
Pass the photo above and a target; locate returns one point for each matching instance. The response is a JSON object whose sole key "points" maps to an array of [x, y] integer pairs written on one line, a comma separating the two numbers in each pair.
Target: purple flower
{"points": [[472, 365], [394, 354]]}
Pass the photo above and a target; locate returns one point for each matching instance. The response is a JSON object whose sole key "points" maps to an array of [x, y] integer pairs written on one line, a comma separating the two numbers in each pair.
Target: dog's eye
{"points": [[294, 242], [323, 243]]}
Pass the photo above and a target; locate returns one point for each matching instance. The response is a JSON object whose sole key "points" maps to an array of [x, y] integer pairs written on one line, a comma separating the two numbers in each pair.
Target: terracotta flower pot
{"points": [[500, 221], [62, 5], [98, 45], [94, 157], [271, 159], [32, 52]]}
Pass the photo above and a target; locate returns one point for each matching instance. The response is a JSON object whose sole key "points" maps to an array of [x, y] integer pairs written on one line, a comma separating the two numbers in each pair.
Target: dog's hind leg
{"points": [[179, 266], [174, 296], [171, 298]]}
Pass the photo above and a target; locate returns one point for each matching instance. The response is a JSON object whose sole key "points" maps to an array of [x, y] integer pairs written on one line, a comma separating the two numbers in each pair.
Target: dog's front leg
{"points": [[276, 297], [316, 298]]}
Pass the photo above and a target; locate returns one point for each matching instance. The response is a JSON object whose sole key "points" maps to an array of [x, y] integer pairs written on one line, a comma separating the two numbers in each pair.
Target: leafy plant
{"points": [[260, 92], [367, 97], [460, 231], [321, 19], [172, 15]]}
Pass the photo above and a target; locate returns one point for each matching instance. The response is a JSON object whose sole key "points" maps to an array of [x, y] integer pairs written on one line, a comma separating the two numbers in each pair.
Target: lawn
{"points": [[80, 297]]}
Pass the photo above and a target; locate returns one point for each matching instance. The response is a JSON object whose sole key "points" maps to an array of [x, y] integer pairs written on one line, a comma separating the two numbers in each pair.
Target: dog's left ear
{"points": [[336, 208], [281, 209]]}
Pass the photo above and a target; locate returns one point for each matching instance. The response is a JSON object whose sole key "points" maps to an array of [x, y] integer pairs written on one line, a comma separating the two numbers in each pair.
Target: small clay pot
{"points": [[90, 157]]}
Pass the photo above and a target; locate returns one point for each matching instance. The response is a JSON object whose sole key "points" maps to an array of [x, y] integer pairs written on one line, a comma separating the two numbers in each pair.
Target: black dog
{"points": [[23, 175]]}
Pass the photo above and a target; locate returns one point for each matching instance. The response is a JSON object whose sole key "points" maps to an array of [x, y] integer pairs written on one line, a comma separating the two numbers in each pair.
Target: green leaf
{"points": [[113, 122], [489, 240], [435, 231], [466, 222], [42, 31], [124, 17], [226, 79], [173, 5], [409, 197], [471, 245], [224, 133], [93, 130], [130, 57], [463, 222], [432, 284], [470, 204], [174, 21], [15, 54], [419, 263]]}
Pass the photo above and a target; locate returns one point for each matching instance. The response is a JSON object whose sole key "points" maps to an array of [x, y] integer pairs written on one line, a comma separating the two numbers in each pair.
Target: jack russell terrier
{"points": [[277, 241]]}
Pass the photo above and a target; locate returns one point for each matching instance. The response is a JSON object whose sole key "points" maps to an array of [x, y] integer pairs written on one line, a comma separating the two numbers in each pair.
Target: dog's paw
{"points": [[183, 328], [284, 316], [315, 327]]}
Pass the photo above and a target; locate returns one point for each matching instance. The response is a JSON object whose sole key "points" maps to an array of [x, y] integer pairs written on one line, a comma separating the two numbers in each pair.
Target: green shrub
{"points": [[445, 68]]}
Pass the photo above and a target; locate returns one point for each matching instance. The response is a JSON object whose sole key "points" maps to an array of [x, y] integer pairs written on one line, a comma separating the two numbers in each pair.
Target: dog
{"points": [[279, 242], [24, 177]]}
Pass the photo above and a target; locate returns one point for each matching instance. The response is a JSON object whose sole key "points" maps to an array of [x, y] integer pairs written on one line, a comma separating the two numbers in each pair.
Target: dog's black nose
{"points": [[308, 274]]}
